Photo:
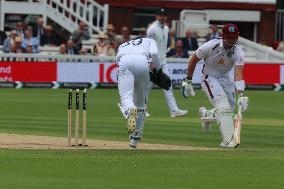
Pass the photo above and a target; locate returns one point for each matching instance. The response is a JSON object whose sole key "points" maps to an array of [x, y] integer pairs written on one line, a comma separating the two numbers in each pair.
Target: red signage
{"points": [[28, 71], [108, 73], [262, 73]]}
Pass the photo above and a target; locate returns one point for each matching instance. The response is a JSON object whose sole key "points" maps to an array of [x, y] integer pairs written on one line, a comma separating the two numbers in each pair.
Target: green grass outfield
{"points": [[258, 163]]}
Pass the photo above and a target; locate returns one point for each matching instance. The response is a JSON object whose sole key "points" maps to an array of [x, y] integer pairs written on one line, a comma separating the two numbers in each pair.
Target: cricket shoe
{"points": [[133, 143], [205, 122], [133, 139], [232, 144], [131, 122], [178, 113], [147, 114]]}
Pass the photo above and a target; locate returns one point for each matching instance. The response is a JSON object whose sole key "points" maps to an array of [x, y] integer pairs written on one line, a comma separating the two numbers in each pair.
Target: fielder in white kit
{"points": [[159, 31], [220, 56], [136, 59]]}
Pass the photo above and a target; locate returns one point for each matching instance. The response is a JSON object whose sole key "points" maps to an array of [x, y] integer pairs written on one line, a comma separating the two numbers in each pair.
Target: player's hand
{"points": [[243, 102], [187, 88]]}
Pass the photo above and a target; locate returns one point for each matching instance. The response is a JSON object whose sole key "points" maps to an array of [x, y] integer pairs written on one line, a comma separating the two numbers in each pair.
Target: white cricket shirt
{"points": [[218, 61], [141, 46], [159, 33]]}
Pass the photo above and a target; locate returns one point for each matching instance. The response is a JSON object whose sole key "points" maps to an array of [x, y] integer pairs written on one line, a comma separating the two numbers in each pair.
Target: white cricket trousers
{"points": [[215, 88], [221, 93], [170, 98], [133, 81]]}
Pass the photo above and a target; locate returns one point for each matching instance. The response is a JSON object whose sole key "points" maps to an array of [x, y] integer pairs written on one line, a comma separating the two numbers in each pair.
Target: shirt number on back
{"points": [[133, 42]]}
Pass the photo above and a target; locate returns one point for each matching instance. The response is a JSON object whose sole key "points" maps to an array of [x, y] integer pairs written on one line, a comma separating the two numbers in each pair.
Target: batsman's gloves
{"points": [[187, 88], [243, 102], [160, 78]]}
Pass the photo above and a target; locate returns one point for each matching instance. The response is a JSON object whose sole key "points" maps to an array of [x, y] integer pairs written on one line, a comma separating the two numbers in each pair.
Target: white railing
{"points": [[90, 12], [23, 57], [262, 53], [67, 13]]}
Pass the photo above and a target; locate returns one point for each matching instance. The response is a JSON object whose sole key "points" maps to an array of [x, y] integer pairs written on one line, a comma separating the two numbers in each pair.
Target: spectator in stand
{"points": [[189, 42], [82, 33], [17, 46], [214, 34], [9, 41], [62, 49], [125, 35], [38, 31], [178, 51], [101, 48], [30, 40], [2, 37], [275, 45], [112, 48], [50, 37], [71, 48], [20, 29], [280, 47], [172, 39], [83, 51], [262, 41], [111, 35], [29, 49]]}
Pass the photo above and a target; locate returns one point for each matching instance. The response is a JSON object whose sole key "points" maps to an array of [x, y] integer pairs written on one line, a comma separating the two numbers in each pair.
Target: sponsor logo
{"points": [[5, 69], [109, 74]]}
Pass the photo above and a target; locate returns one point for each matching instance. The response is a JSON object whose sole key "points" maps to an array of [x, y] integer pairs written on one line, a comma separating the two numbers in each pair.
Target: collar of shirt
{"points": [[229, 52], [161, 25]]}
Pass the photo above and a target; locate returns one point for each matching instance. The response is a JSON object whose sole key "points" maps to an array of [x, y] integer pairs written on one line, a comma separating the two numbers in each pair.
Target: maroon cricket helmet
{"points": [[230, 30]]}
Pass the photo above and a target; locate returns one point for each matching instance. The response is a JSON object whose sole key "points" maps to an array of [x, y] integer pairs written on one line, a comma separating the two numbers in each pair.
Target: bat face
{"points": [[237, 126]]}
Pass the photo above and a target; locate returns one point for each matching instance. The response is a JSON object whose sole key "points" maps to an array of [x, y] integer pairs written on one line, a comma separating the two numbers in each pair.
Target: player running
{"points": [[134, 58], [220, 56]]}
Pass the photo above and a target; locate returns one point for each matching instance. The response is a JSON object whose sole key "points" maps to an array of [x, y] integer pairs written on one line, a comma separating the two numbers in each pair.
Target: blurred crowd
{"points": [[27, 39]]}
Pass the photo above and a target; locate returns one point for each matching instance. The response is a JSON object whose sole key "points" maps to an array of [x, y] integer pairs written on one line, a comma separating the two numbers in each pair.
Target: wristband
{"points": [[240, 85]]}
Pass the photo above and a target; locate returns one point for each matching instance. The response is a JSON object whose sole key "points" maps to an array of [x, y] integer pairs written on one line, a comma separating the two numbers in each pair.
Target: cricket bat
{"points": [[238, 125]]}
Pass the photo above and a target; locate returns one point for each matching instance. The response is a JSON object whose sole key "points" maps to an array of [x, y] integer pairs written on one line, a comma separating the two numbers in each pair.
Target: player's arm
{"points": [[153, 50], [201, 53], [186, 86], [157, 75], [150, 32], [240, 83], [191, 66], [238, 71]]}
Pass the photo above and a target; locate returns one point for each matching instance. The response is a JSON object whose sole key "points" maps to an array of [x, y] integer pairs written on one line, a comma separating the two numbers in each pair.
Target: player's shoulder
{"points": [[152, 26], [166, 27], [212, 44], [238, 50]]}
